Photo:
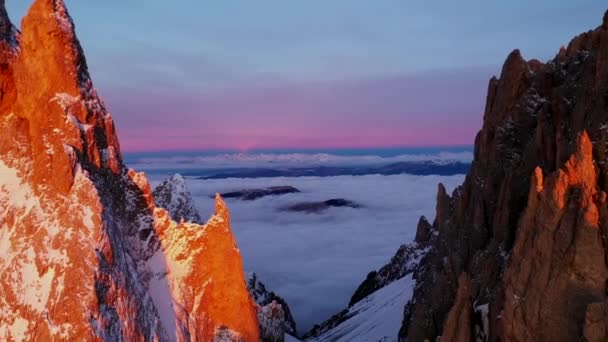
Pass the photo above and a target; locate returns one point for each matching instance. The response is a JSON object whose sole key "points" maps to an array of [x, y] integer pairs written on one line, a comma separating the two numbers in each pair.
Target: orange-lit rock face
{"points": [[84, 253], [458, 323], [203, 264], [559, 243]]}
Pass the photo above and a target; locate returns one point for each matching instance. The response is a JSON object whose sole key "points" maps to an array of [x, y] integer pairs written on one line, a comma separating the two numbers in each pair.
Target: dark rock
{"points": [[317, 207], [253, 194], [424, 231]]}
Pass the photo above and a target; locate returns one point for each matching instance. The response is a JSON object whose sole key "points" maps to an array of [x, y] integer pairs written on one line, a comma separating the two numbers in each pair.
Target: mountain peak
{"points": [[54, 94], [173, 194], [221, 209]]}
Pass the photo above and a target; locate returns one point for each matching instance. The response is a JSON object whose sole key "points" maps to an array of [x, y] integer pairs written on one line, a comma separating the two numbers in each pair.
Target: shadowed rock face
{"points": [[528, 225], [86, 254]]}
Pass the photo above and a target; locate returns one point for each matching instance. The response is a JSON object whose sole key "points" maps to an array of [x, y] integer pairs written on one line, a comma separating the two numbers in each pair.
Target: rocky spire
{"points": [[54, 94], [461, 314]]}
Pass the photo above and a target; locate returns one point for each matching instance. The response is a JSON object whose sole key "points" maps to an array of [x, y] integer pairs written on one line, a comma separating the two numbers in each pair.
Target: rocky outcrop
{"points": [[173, 195], [272, 309], [528, 225], [86, 254], [424, 231]]}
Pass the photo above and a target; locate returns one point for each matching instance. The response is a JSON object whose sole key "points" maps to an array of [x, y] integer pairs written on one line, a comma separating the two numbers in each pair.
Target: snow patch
{"points": [[161, 293]]}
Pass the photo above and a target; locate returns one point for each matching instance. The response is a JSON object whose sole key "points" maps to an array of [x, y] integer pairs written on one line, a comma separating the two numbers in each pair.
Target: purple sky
{"points": [[311, 74]]}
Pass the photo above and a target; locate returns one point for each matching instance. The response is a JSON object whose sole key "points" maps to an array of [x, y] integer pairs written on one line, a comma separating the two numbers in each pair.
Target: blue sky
{"points": [[276, 73]]}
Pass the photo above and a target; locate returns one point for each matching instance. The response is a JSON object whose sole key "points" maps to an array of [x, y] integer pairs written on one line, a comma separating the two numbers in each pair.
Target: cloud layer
{"points": [[316, 261]]}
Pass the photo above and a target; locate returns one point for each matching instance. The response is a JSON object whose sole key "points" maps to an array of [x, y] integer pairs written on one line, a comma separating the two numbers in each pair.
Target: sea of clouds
{"points": [[316, 261]]}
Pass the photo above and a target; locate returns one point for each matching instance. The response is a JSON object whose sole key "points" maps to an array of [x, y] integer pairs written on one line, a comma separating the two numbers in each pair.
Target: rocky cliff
{"points": [[85, 253], [525, 233], [518, 251]]}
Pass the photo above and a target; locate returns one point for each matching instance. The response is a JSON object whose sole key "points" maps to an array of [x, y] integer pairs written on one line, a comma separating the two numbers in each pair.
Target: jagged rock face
{"points": [[85, 253], [559, 243], [273, 312], [528, 224], [173, 195]]}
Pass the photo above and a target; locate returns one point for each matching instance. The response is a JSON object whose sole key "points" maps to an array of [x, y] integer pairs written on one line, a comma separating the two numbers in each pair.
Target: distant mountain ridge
{"points": [[422, 168]]}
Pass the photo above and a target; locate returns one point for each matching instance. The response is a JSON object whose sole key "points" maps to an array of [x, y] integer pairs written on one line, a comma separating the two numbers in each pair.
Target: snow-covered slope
{"points": [[375, 310], [377, 317]]}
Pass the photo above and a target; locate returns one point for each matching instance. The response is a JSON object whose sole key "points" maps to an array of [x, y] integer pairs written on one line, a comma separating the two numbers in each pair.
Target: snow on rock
{"points": [[274, 315], [271, 318], [173, 195]]}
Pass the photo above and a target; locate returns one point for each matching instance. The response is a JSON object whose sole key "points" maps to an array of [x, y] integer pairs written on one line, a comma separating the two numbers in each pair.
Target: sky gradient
{"points": [[193, 75]]}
